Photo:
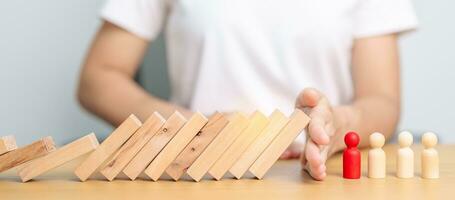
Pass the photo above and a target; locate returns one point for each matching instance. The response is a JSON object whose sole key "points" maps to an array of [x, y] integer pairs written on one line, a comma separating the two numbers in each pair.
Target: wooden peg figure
{"points": [[351, 156], [376, 156], [405, 156], [429, 157]]}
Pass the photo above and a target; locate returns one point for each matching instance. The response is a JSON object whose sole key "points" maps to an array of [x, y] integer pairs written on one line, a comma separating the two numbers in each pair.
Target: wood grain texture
{"points": [[108, 147], [58, 157], [277, 121], [142, 159], [27, 153], [124, 155], [257, 123], [7, 144], [175, 146], [285, 180], [184, 160], [297, 123], [237, 123]]}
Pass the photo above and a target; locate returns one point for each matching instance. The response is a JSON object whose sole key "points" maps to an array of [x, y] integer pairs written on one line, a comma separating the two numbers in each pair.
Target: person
{"points": [[336, 60]]}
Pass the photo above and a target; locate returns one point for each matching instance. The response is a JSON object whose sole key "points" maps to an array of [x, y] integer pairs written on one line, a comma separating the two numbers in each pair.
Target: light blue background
{"points": [[42, 45]]}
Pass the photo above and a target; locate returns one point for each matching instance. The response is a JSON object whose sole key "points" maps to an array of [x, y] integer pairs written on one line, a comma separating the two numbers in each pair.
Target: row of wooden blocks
{"points": [[234, 143]]}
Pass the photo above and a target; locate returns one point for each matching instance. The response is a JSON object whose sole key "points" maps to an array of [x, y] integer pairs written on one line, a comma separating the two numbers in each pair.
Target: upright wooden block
{"points": [[111, 144], [277, 121], [257, 123], [175, 146], [58, 157], [154, 146], [298, 122], [132, 146], [7, 144], [179, 166], [24, 154], [218, 146]]}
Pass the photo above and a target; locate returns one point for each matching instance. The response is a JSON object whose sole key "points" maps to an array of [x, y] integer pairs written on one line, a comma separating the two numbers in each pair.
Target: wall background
{"points": [[43, 44]]}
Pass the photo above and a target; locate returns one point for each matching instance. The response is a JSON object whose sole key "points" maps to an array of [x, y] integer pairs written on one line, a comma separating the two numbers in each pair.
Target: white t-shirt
{"points": [[245, 55]]}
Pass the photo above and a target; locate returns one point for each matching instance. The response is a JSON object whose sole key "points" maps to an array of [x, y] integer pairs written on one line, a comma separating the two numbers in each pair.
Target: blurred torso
{"points": [[243, 55]]}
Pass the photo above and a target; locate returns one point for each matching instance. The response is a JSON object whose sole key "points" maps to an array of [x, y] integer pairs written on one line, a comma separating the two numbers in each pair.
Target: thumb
{"points": [[309, 97]]}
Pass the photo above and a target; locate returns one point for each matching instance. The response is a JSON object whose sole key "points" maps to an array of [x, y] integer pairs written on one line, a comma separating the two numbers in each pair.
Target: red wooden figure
{"points": [[351, 156]]}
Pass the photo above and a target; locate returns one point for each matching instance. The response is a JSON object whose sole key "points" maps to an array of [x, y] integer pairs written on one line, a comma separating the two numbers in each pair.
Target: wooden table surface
{"points": [[284, 181]]}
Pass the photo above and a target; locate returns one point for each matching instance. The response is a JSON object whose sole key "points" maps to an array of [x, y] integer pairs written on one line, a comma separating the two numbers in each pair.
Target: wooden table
{"points": [[284, 181]]}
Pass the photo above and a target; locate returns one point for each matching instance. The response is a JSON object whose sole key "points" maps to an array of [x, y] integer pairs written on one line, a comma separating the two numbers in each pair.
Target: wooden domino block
{"points": [[154, 145], [27, 153], [132, 146], [277, 121], [58, 157], [111, 144], [225, 138], [7, 144], [175, 146], [297, 123], [257, 123], [179, 166]]}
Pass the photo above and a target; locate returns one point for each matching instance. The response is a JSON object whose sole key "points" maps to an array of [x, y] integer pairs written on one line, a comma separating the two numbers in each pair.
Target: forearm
{"points": [[365, 116], [113, 96], [376, 77], [375, 106]]}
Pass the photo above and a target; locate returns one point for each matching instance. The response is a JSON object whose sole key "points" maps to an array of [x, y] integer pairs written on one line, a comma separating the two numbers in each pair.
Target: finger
{"points": [[322, 110], [329, 129], [317, 131], [285, 155], [295, 154], [313, 156], [303, 160], [314, 161], [309, 97], [324, 152], [317, 172], [288, 154], [320, 174]]}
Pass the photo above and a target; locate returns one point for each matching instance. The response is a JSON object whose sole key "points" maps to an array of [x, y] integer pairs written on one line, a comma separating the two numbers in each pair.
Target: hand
{"points": [[323, 133]]}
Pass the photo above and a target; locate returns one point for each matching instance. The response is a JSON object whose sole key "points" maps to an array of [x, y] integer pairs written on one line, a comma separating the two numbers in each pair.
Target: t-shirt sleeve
{"points": [[143, 18], [380, 17]]}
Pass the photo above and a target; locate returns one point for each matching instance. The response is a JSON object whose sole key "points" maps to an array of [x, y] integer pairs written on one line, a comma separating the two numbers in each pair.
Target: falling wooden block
{"points": [[7, 144], [58, 157], [297, 123], [132, 146], [27, 153], [225, 138], [175, 146], [277, 121], [111, 144], [257, 123], [154, 145], [179, 166]]}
